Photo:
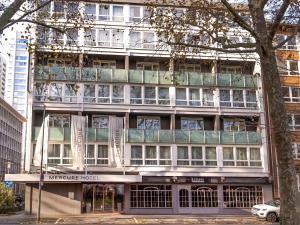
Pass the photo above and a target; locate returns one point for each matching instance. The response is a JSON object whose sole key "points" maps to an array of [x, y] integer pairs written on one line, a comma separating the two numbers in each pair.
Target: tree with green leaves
{"points": [[201, 25], [6, 199]]}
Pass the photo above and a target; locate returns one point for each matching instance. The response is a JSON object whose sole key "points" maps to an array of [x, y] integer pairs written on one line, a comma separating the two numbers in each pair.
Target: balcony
{"points": [[193, 137], [144, 77], [64, 134]]}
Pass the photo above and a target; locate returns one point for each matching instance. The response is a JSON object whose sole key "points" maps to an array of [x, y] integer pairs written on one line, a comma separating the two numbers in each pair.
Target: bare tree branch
{"points": [[25, 14], [205, 47], [263, 3], [43, 24], [9, 12], [296, 30], [238, 19], [278, 18]]}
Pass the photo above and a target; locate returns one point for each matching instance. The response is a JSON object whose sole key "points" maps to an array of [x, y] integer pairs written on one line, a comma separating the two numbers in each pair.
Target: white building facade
{"points": [[2, 75], [164, 136]]}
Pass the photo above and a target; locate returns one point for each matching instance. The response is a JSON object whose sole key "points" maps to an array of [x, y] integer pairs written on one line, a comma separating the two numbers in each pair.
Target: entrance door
{"points": [[98, 198], [184, 198], [104, 198]]}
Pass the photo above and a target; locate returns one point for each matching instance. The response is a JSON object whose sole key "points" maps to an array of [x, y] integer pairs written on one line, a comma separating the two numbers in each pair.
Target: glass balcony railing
{"points": [[64, 134], [159, 136], [193, 137], [144, 76]]}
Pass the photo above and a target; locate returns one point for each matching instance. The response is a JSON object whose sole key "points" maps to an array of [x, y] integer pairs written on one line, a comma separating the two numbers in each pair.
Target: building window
{"points": [[117, 94], [110, 38], [208, 97], [241, 156], [67, 154], [182, 155], [54, 156], [89, 93], [102, 155], [136, 155], [296, 147], [148, 123], [150, 155], [163, 96], [70, 93], [96, 154], [103, 94], [154, 196], [210, 156], [147, 66], [192, 123], [90, 154], [196, 156], [104, 14], [59, 120], [103, 38], [135, 13], [181, 96], [100, 121], [135, 94], [234, 124], [242, 197], [204, 196], [291, 94], [117, 13], [40, 92], [294, 122], [90, 11], [184, 197]]}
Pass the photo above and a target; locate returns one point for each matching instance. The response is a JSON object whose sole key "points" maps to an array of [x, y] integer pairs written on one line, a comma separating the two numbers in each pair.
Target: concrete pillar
{"points": [[217, 122], [126, 62], [171, 65], [172, 127], [220, 199], [214, 68], [175, 203], [126, 120], [126, 203]]}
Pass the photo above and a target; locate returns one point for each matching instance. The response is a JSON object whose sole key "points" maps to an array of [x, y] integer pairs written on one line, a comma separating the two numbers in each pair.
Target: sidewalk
{"points": [[116, 218]]}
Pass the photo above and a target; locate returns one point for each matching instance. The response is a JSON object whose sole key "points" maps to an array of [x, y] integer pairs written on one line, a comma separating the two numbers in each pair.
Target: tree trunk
{"points": [[278, 116]]}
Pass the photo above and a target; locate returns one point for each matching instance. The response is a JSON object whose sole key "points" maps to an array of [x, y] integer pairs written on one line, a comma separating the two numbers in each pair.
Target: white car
{"points": [[269, 211]]}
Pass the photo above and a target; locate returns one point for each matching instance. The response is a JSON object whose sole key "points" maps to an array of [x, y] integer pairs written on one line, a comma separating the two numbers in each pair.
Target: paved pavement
{"points": [[115, 218]]}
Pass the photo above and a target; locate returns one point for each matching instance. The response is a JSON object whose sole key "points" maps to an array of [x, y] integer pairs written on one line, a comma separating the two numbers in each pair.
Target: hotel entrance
{"points": [[97, 198]]}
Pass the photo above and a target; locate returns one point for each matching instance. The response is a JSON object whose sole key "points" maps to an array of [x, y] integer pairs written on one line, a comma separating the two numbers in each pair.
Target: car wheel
{"points": [[271, 217]]}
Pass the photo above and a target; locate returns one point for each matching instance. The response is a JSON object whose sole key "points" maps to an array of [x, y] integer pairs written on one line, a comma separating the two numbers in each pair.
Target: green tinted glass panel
{"points": [[237, 80], [227, 137], [151, 135], [56, 134], [102, 134], [223, 79], [104, 75], [136, 76], [182, 136], [119, 75], [209, 79], [150, 77], [195, 78], [135, 135], [197, 137], [165, 136], [211, 137]]}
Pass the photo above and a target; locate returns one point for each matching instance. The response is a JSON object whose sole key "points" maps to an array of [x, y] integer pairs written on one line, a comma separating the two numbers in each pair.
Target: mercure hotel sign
{"points": [[77, 178], [72, 177]]}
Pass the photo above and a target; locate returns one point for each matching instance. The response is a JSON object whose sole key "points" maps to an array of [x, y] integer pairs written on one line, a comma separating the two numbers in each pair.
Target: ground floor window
{"points": [[204, 196], [242, 196], [150, 196]]}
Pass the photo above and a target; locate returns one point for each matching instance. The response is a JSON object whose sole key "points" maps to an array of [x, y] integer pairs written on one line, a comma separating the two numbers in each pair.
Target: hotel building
{"points": [[164, 136]]}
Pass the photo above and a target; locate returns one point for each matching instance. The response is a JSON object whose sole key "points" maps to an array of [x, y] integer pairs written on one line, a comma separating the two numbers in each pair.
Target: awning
{"points": [[74, 178]]}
